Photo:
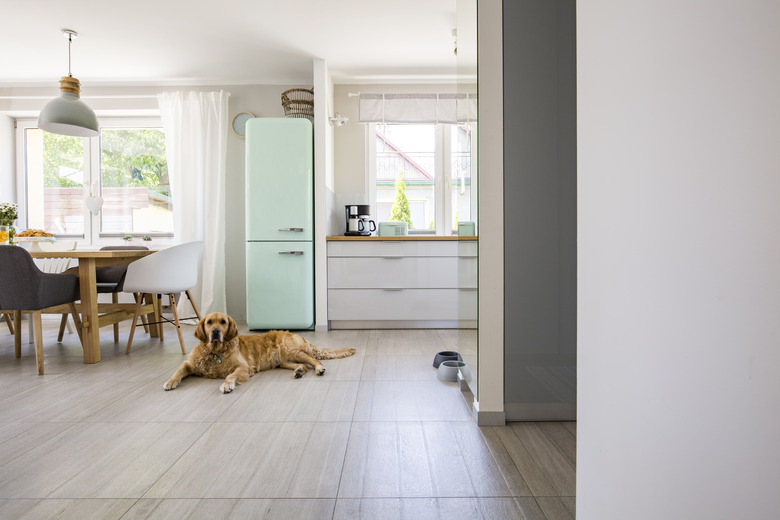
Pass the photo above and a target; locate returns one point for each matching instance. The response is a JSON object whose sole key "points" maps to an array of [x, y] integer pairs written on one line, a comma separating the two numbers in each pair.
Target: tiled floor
{"points": [[377, 437]]}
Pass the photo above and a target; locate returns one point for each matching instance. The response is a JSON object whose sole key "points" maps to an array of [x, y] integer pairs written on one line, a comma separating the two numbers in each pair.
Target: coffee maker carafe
{"points": [[358, 220]]}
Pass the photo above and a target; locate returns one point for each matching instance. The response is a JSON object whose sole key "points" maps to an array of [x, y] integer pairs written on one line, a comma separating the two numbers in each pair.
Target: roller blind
{"points": [[417, 108]]}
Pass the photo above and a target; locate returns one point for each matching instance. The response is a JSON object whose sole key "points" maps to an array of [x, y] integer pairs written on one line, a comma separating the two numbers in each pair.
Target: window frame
{"points": [[92, 237]]}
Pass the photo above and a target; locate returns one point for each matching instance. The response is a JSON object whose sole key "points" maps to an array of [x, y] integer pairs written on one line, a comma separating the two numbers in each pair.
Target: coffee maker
{"points": [[358, 220]]}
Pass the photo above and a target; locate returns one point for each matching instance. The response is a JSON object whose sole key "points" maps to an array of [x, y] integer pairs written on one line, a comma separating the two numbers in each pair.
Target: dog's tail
{"points": [[327, 353]]}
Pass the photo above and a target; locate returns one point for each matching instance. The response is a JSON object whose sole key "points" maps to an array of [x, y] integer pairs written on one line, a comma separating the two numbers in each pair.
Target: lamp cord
{"points": [[70, 40]]}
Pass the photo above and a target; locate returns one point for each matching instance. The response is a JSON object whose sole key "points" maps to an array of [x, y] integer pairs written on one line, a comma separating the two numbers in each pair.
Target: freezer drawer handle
{"points": [[298, 253], [296, 229]]}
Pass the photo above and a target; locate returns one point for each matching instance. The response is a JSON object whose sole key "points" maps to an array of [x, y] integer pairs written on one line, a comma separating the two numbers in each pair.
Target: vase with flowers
{"points": [[9, 212]]}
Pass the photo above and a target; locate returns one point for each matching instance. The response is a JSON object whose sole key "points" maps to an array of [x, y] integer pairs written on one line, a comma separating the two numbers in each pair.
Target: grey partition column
{"points": [[540, 181]]}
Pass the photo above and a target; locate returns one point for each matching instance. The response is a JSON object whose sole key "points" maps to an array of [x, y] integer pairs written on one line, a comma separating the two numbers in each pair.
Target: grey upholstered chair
{"points": [[28, 289]]}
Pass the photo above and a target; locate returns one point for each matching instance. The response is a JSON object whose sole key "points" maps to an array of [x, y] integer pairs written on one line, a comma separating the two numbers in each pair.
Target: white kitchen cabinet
{"points": [[402, 283]]}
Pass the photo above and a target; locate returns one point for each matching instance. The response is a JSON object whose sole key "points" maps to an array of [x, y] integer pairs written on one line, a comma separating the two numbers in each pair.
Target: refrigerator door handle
{"points": [[295, 229], [297, 253]]}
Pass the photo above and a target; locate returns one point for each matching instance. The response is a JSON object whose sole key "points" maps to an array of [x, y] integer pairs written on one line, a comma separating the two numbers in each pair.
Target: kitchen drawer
{"points": [[393, 248], [402, 304], [402, 272]]}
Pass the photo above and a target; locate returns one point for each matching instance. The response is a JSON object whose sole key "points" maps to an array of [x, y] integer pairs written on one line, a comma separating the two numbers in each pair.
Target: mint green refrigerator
{"points": [[279, 223]]}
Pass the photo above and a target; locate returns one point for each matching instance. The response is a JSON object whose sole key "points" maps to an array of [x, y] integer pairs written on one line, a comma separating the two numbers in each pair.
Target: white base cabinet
{"points": [[402, 284]]}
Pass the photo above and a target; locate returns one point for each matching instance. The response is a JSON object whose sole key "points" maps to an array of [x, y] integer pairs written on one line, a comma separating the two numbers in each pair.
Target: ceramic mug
{"points": [[362, 225]]}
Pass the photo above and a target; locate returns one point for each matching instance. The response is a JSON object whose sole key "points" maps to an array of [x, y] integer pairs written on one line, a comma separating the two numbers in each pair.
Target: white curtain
{"points": [[417, 108], [196, 127]]}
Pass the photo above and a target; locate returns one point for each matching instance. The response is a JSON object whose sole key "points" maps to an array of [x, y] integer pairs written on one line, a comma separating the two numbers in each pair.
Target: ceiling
{"points": [[177, 42]]}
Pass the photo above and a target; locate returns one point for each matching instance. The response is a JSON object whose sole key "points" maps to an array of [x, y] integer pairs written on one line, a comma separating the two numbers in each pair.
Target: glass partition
{"points": [[464, 188]]}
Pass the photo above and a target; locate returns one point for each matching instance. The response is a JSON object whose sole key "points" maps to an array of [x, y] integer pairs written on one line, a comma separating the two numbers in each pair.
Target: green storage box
{"points": [[467, 229], [393, 229]]}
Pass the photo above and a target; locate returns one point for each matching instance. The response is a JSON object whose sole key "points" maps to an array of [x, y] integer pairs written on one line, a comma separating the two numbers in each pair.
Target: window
{"points": [[125, 165], [422, 174]]}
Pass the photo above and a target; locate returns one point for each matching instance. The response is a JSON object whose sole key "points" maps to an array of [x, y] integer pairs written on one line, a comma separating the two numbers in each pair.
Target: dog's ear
{"points": [[232, 331], [200, 331]]}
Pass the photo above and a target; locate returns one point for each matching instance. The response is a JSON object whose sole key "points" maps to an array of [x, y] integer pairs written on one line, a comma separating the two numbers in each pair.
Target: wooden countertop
{"points": [[409, 238]]}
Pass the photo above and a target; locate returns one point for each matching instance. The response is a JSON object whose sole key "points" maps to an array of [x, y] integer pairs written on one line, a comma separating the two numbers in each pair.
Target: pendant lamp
{"points": [[67, 114]]}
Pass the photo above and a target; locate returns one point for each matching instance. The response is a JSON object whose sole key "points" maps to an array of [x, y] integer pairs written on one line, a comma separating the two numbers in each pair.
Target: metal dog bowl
{"points": [[446, 355]]}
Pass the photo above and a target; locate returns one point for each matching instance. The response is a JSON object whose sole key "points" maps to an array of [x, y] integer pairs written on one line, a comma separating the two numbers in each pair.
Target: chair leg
{"points": [[195, 307], [132, 326], [18, 334], [77, 321], [178, 325], [9, 323], [115, 299], [63, 322], [36, 317], [143, 316], [159, 316]]}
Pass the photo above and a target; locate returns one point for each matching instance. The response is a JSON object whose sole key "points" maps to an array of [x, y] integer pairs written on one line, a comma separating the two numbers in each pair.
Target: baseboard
{"points": [[517, 412], [482, 418]]}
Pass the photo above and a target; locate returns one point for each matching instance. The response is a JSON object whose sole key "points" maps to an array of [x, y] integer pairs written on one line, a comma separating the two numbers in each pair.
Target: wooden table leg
{"points": [[90, 330]]}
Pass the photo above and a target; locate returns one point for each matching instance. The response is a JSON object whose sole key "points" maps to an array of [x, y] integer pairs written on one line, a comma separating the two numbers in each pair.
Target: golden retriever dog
{"points": [[223, 353]]}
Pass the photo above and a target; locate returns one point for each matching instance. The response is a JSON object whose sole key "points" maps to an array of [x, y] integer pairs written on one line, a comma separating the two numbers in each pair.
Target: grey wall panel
{"points": [[540, 203]]}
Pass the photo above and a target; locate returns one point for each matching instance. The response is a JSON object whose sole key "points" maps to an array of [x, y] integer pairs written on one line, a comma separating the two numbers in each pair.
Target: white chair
{"points": [[55, 265], [170, 271]]}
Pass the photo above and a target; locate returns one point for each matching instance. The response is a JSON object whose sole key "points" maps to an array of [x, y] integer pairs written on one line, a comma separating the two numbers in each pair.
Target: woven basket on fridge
{"points": [[298, 102]]}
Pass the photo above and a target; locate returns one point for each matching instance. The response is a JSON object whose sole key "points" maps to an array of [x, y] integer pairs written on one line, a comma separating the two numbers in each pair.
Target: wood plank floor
{"points": [[377, 437]]}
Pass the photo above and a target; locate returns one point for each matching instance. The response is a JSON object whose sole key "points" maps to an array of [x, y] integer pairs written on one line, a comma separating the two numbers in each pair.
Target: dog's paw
{"points": [[226, 387], [298, 372], [170, 384], [320, 371]]}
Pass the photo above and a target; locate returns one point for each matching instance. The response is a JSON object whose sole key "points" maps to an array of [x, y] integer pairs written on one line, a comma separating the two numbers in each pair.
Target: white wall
{"points": [[324, 182], [679, 260]]}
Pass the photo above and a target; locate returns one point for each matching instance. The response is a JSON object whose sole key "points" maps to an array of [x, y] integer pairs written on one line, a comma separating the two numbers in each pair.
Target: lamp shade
{"points": [[67, 114]]}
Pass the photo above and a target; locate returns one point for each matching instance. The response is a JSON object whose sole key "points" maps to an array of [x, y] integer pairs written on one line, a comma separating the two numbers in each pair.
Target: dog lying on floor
{"points": [[223, 353]]}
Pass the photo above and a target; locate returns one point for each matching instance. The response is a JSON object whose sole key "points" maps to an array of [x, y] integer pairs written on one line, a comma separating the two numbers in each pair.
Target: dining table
{"points": [[95, 315]]}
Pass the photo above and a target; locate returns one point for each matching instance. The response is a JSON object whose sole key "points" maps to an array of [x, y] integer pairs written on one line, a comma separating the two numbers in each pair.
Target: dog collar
{"points": [[217, 358]]}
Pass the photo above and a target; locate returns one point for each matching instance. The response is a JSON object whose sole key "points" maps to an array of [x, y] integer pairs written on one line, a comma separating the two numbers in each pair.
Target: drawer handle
{"points": [[392, 289], [296, 253], [392, 257], [295, 229]]}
